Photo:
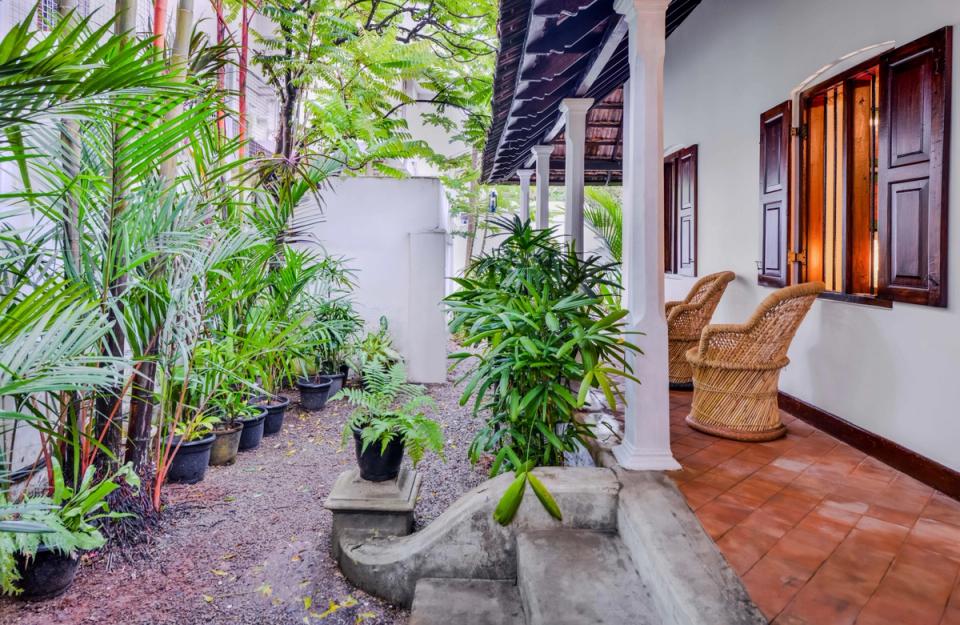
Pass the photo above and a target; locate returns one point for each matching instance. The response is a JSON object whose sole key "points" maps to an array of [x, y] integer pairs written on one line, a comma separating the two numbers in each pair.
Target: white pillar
{"points": [[646, 440], [542, 154], [575, 133], [524, 175]]}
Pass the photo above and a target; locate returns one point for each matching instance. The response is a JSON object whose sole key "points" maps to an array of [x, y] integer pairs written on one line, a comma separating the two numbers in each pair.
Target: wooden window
{"points": [[774, 196], [680, 211], [872, 222]]}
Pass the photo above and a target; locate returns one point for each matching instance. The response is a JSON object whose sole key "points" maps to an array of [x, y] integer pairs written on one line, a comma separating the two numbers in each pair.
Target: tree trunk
{"points": [[472, 216], [108, 405], [178, 70], [70, 157], [141, 414], [221, 82], [242, 76]]}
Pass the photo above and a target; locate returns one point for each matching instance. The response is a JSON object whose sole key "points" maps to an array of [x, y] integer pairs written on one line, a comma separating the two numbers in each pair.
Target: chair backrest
{"points": [[703, 288], [704, 297], [775, 322]]}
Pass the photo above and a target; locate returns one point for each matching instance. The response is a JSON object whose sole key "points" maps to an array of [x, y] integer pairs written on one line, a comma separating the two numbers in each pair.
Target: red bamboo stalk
{"points": [[242, 83], [159, 23]]}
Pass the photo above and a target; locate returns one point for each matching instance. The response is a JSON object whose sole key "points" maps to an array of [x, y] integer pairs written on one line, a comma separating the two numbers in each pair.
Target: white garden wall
{"points": [[892, 372], [394, 234]]}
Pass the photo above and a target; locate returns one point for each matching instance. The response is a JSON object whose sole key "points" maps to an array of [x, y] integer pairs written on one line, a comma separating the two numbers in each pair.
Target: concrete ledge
{"points": [[691, 581], [465, 541]]}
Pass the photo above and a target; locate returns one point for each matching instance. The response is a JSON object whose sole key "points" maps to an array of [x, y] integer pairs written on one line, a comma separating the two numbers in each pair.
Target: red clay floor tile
{"points": [[822, 533]]}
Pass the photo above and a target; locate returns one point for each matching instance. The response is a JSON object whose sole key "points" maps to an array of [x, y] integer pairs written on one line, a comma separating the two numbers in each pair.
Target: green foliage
{"points": [[374, 349], [604, 215], [387, 407], [533, 320], [64, 521]]}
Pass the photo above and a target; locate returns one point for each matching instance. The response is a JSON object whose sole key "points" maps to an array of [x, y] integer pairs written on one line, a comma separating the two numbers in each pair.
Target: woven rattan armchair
{"points": [[736, 368], [686, 320]]}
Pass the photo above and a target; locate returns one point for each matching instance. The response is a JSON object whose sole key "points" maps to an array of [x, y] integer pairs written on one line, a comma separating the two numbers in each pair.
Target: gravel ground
{"points": [[250, 544]]}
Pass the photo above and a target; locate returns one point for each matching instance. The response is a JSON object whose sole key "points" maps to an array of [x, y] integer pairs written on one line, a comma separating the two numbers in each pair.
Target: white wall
{"points": [[393, 233], [893, 372]]}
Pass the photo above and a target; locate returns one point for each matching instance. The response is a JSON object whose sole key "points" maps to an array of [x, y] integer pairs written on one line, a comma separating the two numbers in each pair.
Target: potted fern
{"points": [[389, 416], [41, 537]]}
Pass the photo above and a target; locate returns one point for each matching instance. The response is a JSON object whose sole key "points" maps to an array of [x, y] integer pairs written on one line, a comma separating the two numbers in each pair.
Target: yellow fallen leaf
{"points": [[265, 590], [296, 558], [219, 573], [307, 602], [364, 616], [208, 598]]}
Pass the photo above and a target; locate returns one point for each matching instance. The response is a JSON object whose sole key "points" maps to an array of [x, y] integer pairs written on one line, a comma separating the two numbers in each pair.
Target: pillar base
{"points": [[379, 508], [634, 459]]}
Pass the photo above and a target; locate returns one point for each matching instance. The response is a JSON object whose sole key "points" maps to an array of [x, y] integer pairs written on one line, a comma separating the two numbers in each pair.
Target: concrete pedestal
{"points": [[379, 508]]}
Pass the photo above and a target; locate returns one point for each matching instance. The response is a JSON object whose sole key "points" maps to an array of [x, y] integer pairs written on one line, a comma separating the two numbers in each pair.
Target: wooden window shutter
{"points": [[686, 212], [913, 170], [669, 212], [774, 194]]}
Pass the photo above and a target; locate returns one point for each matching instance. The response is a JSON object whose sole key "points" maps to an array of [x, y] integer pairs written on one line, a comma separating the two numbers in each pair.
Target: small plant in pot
{"points": [[314, 387], [191, 444], [388, 418], [334, 325], [42, 537], [237, 419]]}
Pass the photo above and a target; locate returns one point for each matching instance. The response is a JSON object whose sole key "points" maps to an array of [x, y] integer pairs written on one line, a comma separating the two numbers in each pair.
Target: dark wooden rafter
{"points": [[551, 50]]}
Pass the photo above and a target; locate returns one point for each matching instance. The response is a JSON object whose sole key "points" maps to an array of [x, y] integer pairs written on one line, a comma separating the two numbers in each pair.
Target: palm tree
{"points": [[604, 215]]}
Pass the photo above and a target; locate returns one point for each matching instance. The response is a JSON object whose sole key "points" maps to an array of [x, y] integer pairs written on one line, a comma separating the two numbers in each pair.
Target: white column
{"points": [[646, 440], [542, 154], [575, 133], [524, 175]]}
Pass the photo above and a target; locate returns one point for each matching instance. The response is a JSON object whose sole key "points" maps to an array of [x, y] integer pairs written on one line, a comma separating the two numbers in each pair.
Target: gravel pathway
{"points": [[250, 544]]}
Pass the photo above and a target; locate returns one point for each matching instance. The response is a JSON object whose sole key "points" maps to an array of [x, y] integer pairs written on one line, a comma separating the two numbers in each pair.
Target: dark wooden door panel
{"points": [[774, 197], [909, 259], [913, 166], [910, 88], [687, 212]]}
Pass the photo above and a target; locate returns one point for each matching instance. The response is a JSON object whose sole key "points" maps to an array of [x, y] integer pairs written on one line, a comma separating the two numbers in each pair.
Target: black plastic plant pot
{"points": [[314, 392], [336, 382], [190, 461], [276, 408], [46, 575], [252, 432], [376, 466], [226, 445]]}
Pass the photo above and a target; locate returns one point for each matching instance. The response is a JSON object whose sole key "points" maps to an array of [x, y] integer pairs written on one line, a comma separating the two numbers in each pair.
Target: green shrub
{"points": [[540, 337]]}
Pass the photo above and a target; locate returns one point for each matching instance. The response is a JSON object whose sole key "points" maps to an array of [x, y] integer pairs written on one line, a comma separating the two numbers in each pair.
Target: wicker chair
{"points": [[736, 368], [685, 322]]}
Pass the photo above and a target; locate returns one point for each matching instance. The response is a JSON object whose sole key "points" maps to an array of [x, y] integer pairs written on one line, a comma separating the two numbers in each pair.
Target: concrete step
{"points": [[466, 602], [580, 577]]}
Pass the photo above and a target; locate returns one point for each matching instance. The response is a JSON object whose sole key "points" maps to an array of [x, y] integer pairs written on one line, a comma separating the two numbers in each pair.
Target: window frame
{"points": [[799, 244]]}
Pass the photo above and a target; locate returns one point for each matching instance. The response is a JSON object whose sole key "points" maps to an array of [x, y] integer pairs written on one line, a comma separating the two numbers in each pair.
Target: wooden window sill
{"points": [[863, 300]]}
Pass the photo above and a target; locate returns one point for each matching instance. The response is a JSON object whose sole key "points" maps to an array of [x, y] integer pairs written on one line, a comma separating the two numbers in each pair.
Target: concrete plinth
{"points": [[375, 508]]}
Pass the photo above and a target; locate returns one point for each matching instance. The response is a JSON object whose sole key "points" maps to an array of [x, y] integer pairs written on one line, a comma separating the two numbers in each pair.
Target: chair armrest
{"points": [[669, 306], [723, 341]]}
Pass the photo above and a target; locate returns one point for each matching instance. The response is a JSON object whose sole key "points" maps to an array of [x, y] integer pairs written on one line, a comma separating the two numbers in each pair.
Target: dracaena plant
{"points": [[389, 408], [532, 314]]}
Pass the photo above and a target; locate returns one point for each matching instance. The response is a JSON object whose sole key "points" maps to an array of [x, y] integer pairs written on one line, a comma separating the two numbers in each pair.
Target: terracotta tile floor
{"points": [[821, 533]]}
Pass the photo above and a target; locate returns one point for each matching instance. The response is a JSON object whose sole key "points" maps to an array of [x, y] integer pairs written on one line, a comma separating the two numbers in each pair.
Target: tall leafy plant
{"points": [[539, 338]]}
